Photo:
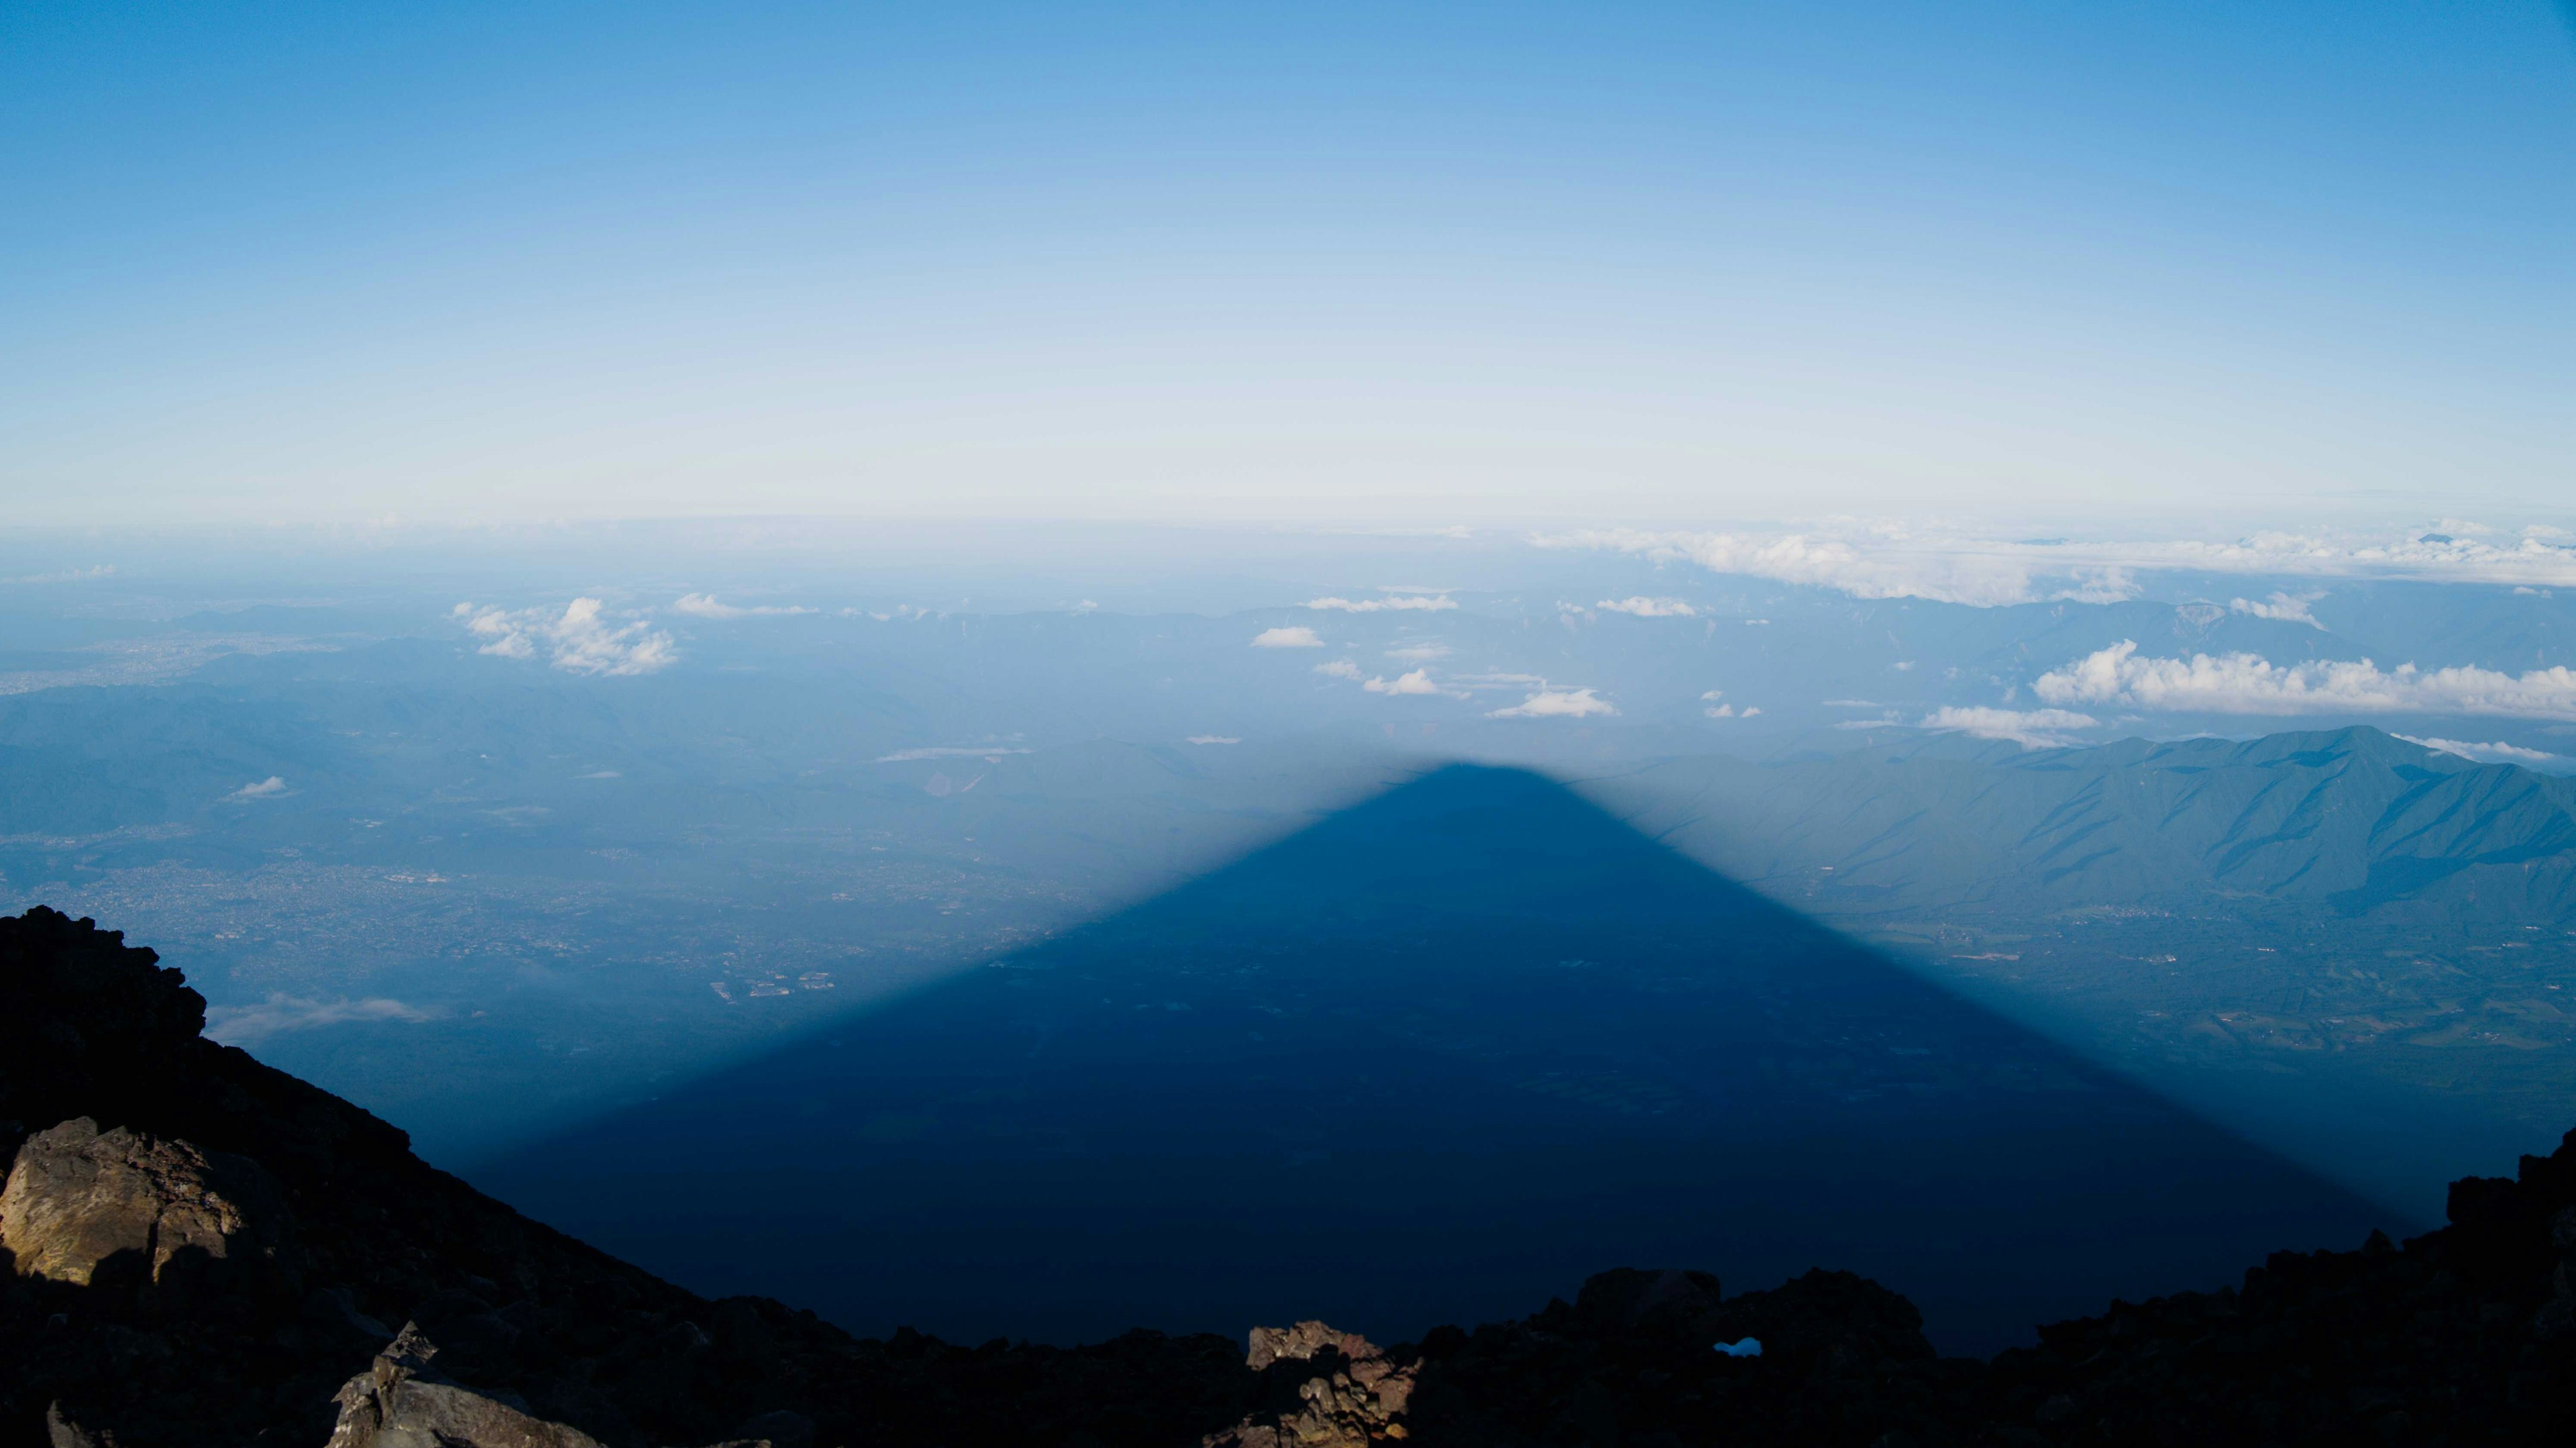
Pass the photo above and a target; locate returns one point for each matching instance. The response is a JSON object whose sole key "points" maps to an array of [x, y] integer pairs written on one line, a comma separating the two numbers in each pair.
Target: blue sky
{"points": [[1660, 265]]}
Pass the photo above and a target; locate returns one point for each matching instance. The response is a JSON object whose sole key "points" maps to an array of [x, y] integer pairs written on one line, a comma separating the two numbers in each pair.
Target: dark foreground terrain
{"points": [[204, 1250]]}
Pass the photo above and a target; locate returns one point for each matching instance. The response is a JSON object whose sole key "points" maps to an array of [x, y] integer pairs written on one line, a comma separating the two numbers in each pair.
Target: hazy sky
{"points": [[1445, 264]]}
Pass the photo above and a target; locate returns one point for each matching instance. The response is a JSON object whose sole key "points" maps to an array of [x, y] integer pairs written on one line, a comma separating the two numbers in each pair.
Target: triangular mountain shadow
{"points": [[1434, 1059]]}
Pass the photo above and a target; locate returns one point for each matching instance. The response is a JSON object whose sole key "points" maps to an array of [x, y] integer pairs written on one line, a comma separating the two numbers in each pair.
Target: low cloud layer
{"points": [[950, 751], [2496, 753], [1298, 637], [580, 640], [704, 605], [1416, 682], [2243, 683], [245, 1025], [1896, 561], [2029, 728], [1395, 603], [1557, 704]]}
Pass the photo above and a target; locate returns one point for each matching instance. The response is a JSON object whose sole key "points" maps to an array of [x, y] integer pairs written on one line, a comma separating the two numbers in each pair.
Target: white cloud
{"points": [[1894, 560], [1416, 682], [1712, 694], [1214, 739], [1419, 653], [2496, 753], [1339, 669], [986, 752], [2285, 607], [266, 788], [2029, 728], [1499, 681], [1644, 607], [1721, 711], [1851, 704], [1557, 704], [68, 575], [2244, 683], [1297, 637], [704, 605], [580, 640], [1396, 602], [243, 1025]]}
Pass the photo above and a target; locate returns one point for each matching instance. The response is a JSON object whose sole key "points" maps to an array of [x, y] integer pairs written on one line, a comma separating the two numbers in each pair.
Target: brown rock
{"points": [[78, 1199], [399, 1402], [1332, 1389]]}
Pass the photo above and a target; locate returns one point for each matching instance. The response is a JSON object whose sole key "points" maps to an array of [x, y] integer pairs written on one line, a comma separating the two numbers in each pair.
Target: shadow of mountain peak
{"points": [[1431, 1059]]}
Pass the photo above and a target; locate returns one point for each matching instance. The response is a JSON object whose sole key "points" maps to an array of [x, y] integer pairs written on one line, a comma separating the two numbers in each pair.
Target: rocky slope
{"points": [[202, 1250]]}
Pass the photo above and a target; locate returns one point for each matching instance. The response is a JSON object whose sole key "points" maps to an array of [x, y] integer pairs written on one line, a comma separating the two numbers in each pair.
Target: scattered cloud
{"points": [[266, 789], [2285, 607], [1648, 607], [2243, 683], [1398, 602], [2029, 728], [580, 640], [600, 774], [1416, 682], [986, 752], [1557, 704], [1339, 669], [243, 1025], [1419, 653], [1852, 704], [1298, 637], [2497, 753], [704, 605], [1215, 739]]}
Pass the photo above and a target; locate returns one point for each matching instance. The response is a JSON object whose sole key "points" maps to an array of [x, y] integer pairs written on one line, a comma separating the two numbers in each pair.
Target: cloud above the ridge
{"points": [[2286, 607], [2029, 728], [2496, 753], [580, 640], [2244, 683], [1295, 636]]}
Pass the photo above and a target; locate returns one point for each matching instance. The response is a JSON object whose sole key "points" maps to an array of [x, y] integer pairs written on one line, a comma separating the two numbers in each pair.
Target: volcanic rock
{"points": [[401, 1402], [81, 1203]]}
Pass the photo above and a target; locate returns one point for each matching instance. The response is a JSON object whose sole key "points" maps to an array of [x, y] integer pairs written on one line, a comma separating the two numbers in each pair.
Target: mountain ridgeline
{"points": [[2354, 821]]}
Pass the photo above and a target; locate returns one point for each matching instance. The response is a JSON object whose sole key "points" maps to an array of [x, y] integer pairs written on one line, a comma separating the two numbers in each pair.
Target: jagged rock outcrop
{"points": [[1322, 1389], [80, 1203], [402, 1402]]}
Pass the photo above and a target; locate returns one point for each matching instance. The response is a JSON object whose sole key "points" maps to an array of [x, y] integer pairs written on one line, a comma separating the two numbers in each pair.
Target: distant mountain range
{"points": [[2354, 821]]}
